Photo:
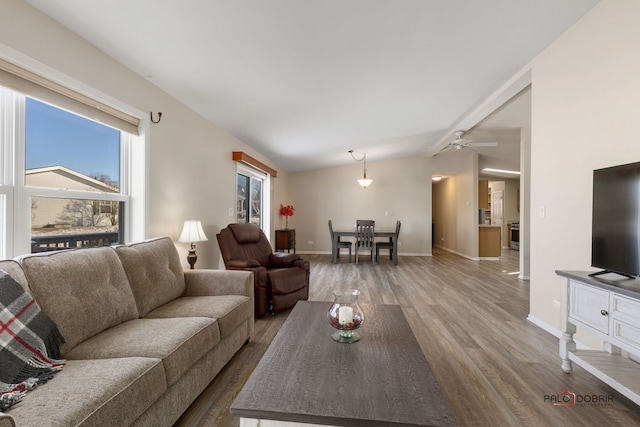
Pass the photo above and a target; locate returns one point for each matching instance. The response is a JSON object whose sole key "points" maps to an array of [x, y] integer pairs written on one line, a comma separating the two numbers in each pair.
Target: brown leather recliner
{"points": [[280, 279]]}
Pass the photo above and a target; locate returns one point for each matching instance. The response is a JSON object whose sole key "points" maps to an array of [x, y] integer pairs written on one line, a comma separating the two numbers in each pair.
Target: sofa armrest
{"points": [[243, 263], [6, 420], [218, 282]]}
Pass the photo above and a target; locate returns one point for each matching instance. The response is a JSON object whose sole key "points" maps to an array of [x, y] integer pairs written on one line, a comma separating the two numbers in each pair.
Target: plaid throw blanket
{"points": [[29, 342]]}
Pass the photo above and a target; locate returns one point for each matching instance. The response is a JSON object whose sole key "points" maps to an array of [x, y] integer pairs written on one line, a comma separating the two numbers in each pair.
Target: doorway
{"points": [[497, 208]]}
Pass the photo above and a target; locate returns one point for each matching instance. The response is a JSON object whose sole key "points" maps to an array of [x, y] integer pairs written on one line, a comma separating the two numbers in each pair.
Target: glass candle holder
{"points": [[346, 315]]}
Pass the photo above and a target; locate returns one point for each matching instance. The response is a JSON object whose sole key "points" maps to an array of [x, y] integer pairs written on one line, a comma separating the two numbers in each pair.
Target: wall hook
{"points": [[159, 117]]}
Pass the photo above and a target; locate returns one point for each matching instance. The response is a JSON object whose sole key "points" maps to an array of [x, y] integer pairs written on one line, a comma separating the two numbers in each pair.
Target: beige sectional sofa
{"points": [[143, 338]]}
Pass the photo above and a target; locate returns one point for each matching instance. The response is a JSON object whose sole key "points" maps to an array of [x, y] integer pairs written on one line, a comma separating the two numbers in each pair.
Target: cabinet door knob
{"points": [[604, 312]]}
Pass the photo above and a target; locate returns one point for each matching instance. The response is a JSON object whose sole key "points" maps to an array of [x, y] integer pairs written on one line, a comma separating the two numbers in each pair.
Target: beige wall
{"points": [[190, 171], [401, 190], [467, 207], [525, 204], [586, 101], [455, 204], [445, 213]]}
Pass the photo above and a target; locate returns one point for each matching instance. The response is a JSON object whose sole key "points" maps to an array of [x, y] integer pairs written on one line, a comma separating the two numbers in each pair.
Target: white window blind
{"points": [[38, 87]]}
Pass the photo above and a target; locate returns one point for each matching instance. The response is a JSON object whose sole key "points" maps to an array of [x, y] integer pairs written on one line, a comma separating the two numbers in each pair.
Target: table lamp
{"points": [[191, 233]]}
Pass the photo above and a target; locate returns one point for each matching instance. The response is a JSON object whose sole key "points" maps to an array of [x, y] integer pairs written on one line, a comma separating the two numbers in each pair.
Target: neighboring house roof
{"points": [[73, 176]]}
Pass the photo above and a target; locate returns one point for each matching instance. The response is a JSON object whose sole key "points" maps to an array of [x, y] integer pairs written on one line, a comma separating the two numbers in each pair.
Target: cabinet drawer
{"points": [[626, 333], [622, 307], [586, 305], [286, 239]]}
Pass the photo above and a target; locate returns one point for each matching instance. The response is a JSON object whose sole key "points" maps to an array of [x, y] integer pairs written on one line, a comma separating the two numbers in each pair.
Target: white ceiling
{"points": [[304, 81], [502, 126]]}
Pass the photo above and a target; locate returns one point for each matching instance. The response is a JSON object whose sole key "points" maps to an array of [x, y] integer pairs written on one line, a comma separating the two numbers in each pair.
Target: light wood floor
{"points": [[469, 317]]}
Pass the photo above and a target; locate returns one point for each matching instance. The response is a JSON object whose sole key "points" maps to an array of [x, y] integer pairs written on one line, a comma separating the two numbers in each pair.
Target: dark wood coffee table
{"points": [[307, 377]]}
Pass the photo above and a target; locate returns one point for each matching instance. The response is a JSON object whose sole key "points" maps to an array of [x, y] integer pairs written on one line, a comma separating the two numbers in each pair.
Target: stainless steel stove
{"points": [[514, 238]]}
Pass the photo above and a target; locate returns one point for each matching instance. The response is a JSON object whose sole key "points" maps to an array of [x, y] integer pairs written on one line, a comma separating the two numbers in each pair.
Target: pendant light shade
{"points": [[364, 181]]}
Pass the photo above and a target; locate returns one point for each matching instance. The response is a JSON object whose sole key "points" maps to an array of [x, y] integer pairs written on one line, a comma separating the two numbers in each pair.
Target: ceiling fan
{"points": [[460, 143]]}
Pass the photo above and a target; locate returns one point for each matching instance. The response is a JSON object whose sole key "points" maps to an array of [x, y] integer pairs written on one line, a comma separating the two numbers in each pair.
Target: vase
{"points": [[286, 222], [346, 316]]}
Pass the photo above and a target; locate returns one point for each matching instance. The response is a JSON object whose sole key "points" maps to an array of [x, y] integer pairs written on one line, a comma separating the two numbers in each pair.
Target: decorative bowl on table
{"points": [[346, 315]]}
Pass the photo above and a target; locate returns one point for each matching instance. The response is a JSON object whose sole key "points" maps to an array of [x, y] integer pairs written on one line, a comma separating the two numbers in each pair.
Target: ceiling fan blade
{"points": [[483, 144]]}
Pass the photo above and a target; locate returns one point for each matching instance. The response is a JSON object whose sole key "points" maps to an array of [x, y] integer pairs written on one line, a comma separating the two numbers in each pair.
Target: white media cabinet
{"points": [[609, 309]]}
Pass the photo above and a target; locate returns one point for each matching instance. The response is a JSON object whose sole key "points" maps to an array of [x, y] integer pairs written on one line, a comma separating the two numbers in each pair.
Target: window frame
{"points": [[6, 171], [15, 228], [265, 178]]}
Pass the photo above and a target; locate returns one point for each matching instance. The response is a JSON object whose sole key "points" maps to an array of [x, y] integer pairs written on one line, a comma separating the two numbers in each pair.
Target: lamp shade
{"points": [[192, 232], [365, 182]]}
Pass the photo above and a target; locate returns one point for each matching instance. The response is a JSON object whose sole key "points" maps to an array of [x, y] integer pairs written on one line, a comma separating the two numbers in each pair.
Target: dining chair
{"points": [[388, 244], [365, 229], [338, 243]]}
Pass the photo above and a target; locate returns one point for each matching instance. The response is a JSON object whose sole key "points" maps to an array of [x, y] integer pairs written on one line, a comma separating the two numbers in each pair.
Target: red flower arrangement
{"points": [[286, 212]]}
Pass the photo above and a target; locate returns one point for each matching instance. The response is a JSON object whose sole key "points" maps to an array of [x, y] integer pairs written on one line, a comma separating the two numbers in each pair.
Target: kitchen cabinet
{"points": [[483, 194], [489, 241]]}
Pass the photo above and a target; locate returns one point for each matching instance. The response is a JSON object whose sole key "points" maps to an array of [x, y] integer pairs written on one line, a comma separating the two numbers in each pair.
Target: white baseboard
{"points": [[329, 253], [544, 325], [553, 331], [458, 253], [472, 258]]}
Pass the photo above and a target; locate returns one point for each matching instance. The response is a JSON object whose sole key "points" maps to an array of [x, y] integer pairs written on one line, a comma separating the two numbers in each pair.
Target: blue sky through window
{"points": [[55, 137]]}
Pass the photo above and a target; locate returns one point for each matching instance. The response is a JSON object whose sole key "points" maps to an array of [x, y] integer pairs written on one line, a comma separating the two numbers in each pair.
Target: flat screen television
{"points": [[615, 238]]}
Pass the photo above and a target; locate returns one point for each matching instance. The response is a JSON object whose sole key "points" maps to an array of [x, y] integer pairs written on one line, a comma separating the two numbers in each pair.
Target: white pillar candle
{"points": [[345, 315]]}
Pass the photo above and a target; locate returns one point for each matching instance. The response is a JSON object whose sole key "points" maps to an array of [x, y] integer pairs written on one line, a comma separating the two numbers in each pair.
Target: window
{"points": [[58, 223], [65, 180], [87, 150], [251, 197], [68, 152], [3, 222]]}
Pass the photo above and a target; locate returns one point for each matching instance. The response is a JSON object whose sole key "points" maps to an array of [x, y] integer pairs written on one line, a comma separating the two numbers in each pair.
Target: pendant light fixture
{"points": [[364, 181]]}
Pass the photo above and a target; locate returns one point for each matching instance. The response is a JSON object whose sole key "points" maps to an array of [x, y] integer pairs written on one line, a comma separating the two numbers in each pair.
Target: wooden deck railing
{"points": [[72, 241]]}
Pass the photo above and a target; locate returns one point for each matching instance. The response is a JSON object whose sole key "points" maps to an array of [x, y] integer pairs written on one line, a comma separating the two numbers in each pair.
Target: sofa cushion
{"points": [[84, 291], [229, 310], [30, 342], [14, 269], [154, 271], [95, 393], [179, 342]]}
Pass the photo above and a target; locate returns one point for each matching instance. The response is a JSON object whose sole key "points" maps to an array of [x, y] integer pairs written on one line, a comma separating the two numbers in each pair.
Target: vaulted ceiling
{"points": [[304, 81]]}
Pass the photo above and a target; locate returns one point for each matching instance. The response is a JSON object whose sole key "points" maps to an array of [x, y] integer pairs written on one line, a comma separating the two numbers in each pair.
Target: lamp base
{"points": [[192, 257]]}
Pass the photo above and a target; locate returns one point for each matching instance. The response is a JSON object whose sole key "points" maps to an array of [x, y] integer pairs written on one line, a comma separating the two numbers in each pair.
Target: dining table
{"points": [[389, 234]]}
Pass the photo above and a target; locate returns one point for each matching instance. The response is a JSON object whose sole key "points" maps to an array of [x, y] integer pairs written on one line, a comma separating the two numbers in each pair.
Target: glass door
{"points": [[249, 199]]}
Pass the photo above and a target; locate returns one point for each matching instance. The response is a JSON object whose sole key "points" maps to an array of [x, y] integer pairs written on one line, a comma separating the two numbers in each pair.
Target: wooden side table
{"points": [[286, 239]]}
